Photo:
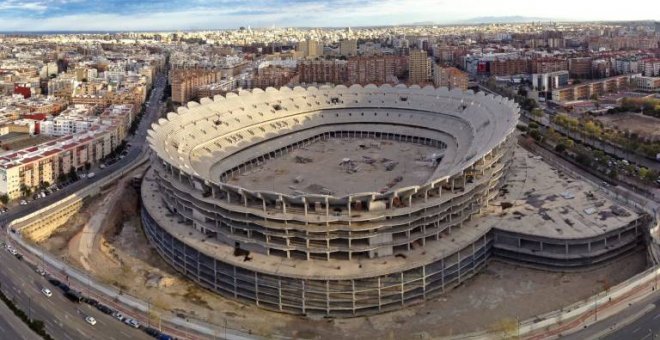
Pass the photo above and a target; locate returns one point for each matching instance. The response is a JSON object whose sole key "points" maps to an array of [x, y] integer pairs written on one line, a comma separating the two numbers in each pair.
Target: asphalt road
{"points": [[645, 328], [64, 319], [11, 327]]}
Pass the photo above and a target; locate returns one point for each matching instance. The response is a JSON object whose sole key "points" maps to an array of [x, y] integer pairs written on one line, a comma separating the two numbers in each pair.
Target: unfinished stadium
{"points": [[343, 201]]}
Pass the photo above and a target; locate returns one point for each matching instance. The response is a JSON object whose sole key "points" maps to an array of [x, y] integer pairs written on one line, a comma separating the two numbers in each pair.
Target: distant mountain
{"points": [[501, 20]]}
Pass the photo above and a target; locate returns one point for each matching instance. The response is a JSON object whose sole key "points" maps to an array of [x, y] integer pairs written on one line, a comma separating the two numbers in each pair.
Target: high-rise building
{"points": [[449, 77], [579, 67], [348, 48], [378, 69], [419, 67], [322, 71], [310, 48]]}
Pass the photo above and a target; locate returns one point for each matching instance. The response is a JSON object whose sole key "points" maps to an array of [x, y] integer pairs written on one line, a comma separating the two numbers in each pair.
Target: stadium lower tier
{"points": [[348, 288]]}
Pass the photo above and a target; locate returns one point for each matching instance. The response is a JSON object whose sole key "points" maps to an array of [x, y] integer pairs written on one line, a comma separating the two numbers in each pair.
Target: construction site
{"points": [[122, 257], [348, 166]]}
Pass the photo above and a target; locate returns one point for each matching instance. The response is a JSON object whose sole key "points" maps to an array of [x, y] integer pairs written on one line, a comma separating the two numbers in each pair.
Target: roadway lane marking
{"points": [[636, 330], [657, 316], [67, 336]]}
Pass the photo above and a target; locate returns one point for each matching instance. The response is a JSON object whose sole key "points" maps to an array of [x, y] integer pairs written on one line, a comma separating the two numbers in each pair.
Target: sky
{"points": [[135, 15]]}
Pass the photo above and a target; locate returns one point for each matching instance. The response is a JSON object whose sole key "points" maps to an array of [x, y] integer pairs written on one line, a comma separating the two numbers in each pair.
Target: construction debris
{"points": [[303, 160], [391, 165], [349, 166]]}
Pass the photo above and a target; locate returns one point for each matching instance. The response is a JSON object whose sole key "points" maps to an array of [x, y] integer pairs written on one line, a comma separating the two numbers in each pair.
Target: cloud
{"points": [[120, 15]]}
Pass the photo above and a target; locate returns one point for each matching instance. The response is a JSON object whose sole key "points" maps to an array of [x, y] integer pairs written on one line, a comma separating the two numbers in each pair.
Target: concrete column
{"points": [[302, 300], [349, 211], [353, 293], [279, 295], [256, 288], [379, 295], [424, 281], [402, 287], [327, 297], [442, 275], [459, 265], [327, 211]]}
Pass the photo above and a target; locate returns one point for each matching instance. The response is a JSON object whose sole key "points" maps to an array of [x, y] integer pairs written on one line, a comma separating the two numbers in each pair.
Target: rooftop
{"points": [[549, 203]]}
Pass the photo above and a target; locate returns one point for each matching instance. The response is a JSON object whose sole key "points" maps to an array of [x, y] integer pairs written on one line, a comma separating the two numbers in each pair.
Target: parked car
{"points": [[105, 309], [131, 322], [74, 296], [119, 316], [152, 331], [54, 282]]}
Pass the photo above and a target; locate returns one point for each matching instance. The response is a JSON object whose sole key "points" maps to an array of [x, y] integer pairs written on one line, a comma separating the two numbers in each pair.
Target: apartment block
{"points": [[323, 71], [376, 69], [419, 67], [449, 77], [587, 90]]}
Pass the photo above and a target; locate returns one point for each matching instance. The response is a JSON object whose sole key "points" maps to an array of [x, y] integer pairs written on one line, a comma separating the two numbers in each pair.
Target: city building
{"points": [[645, 84], [184, 82], [588, 90], [419, 67], [546, 82], [348, 48], [323, 71], [450, 77], [310, 48], [377, 69]]}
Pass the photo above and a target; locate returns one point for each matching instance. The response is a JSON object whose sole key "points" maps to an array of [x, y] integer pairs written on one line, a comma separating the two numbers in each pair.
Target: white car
{"points": [[23, 202], [133, 323], [47, 292], [90, 320]]}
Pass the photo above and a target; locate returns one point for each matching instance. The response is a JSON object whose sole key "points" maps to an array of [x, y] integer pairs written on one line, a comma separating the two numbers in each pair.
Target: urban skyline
{"points": [[122, 15]]}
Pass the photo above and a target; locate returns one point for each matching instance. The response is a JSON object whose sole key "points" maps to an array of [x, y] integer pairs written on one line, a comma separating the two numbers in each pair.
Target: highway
{"points": [[11, 327], [64, 319]]}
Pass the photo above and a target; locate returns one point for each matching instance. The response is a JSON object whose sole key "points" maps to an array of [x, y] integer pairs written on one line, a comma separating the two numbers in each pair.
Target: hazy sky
{"points": [[38, 15]]}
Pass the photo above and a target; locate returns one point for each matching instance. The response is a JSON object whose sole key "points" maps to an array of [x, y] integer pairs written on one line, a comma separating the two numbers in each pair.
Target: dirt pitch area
{"points": [[644, 126]]}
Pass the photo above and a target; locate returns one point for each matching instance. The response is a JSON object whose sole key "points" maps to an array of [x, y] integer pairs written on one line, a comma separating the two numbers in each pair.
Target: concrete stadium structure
{"points": [[311, 251]]}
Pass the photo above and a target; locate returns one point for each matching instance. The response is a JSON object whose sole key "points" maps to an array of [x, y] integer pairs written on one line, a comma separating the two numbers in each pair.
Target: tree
{"points": [[4, 199], [537, 113], [560, 148], [25, 190], [592, 129], [646, 174], [536, 135], [88, 166]]}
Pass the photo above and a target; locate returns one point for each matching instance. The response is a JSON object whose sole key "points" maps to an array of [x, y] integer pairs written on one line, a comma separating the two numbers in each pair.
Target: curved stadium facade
{"points": [[339, 201]]}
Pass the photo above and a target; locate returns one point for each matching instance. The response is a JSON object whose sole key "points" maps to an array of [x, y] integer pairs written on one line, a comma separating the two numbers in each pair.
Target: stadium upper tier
{"points": [[210, 139]]}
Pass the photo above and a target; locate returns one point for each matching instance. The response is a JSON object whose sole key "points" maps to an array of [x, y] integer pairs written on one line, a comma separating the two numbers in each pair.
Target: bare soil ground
{"points": [[644, 126]]}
